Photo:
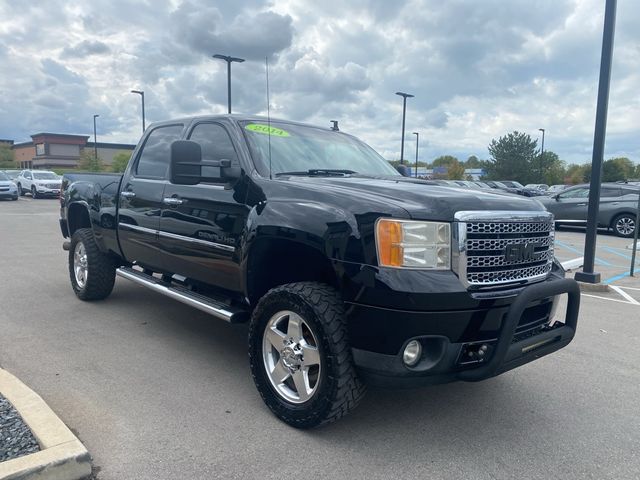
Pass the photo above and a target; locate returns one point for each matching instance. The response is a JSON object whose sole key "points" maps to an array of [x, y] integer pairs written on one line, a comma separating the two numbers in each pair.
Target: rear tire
{"points": [[307, 379], [91, 271], [624, 225]]}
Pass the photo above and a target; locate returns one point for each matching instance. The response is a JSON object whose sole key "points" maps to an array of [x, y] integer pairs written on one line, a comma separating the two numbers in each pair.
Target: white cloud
{"points": [[478, 69]]}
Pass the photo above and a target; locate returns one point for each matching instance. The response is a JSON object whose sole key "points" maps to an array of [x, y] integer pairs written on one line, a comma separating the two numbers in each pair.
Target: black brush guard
{"points": [[508, 354]]}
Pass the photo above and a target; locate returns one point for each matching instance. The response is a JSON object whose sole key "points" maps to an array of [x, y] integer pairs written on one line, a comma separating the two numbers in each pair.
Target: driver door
{"points": [[572, 204]]}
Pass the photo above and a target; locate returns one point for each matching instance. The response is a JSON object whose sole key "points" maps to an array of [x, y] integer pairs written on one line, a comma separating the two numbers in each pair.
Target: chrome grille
{"points": [[496, 248]]}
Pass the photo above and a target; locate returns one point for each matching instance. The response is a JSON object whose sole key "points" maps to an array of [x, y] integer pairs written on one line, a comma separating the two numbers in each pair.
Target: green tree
{"points": [[473, 162], [88, 162], [444, 161], [512, 158], [578, 173], [120, 161], [553, 169], [7, 159], [616, 169], [455, 169]]}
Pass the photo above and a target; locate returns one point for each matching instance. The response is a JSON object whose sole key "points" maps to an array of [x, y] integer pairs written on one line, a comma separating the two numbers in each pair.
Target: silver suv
{"points": [[618, 207]]}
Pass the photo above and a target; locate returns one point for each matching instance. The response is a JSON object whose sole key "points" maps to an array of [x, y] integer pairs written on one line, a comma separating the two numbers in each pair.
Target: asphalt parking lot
{"points": [[157, 390]]}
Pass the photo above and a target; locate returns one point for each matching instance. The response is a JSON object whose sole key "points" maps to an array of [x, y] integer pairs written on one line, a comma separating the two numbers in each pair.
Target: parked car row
{"points": [[38, 183], [510, 186], [569, 205]]}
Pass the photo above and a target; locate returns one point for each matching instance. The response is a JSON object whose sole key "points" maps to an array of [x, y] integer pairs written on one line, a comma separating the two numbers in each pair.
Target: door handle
{"points": [[127, 194], [172, 201]]}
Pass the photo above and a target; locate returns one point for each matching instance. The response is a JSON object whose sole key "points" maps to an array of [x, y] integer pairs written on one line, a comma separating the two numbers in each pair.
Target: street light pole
{"points": [[417, 137], [404, 114], [95, 138], [542, 157], [141, 93], [229, 60], [587, 274]]}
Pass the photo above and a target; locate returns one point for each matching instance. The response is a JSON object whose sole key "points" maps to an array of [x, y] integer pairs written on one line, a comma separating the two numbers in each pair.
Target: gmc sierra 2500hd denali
{"points": [[347, 272]]}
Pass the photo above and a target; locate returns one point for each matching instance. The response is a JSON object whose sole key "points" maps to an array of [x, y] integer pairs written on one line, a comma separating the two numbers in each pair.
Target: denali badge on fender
{"points": [[519, 252]]}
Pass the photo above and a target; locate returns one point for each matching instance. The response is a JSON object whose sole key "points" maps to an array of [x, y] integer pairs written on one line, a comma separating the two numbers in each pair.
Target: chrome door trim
{"points": [[219, 246], [136, 228]]}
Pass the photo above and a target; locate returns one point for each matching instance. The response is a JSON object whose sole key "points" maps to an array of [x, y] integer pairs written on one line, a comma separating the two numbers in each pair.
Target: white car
{"points": [[40, 183]]}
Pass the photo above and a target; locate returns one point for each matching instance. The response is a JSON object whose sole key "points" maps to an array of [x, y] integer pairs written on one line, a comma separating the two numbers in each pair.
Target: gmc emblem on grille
{"points": [[519, 252]]}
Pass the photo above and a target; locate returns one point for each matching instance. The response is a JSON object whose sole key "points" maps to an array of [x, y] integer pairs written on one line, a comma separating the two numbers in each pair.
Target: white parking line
{"points": [[624, 294], [610, 299]]}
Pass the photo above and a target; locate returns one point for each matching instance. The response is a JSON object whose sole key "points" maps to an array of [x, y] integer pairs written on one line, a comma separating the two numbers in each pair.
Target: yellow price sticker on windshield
{"points": [[267, 130]]}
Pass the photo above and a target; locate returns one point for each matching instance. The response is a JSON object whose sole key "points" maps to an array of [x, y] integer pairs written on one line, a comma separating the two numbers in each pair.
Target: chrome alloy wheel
{"points": [[625, 225], [291, 357], [80, 265]]}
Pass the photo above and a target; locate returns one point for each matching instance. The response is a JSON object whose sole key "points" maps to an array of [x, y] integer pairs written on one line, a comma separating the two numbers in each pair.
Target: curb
{"points": [[62, 456], [593, 287]]}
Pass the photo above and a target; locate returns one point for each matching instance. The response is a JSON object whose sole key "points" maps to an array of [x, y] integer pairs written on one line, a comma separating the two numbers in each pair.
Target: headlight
{"points": [[413, 244]]}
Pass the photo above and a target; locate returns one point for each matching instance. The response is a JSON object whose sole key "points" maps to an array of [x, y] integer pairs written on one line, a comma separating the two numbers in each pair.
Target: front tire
{"points": [[300, 356], [21, 192], [34, 192], [624, 225], [92, 272]]}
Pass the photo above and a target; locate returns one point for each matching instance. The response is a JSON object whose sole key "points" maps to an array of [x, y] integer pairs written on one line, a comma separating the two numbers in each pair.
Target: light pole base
{"points": [[587, 277]]}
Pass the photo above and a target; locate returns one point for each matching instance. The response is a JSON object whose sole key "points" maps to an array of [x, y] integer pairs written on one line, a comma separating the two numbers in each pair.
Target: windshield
{"points": [[45, 176], [297, 148], [4, 177]]}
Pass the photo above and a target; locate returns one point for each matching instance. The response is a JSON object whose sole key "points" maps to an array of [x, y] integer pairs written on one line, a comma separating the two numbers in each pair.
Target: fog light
{"points": [[412, 353]]}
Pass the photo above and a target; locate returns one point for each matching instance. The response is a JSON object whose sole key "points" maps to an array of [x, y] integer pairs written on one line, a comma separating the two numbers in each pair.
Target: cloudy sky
{"points": [[478, 68]]}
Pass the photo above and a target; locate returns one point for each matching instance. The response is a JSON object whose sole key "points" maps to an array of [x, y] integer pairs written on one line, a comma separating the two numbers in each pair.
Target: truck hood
{"points": [[420, 199]]}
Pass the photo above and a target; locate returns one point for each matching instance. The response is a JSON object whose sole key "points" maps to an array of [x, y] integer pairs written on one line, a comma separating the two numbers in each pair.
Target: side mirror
{"points": [[186, 163]]}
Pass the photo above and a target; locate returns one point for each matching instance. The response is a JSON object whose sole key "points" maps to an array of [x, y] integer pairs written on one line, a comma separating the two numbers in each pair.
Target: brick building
{"points": [[59, 150]]}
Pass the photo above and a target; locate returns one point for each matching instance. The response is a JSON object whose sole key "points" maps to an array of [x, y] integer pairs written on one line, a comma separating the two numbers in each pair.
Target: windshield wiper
{"points": [[319, 172]]}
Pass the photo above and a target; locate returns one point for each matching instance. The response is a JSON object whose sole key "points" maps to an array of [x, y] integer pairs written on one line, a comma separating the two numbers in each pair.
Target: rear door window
{"points": [[153, 161]]}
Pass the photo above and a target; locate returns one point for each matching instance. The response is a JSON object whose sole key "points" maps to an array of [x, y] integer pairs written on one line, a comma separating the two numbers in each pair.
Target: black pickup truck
{"points": [[347, 272]]}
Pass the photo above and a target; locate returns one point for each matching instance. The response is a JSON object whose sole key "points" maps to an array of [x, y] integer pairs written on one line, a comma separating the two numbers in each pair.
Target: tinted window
{"points": [[216, 145], [45, 176], [3, 176], [610, 192], [154, 159], [581, 192]]}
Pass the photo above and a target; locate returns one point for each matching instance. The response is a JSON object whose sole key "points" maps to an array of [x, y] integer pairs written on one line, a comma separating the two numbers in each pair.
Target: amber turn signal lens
{"points": [[389, 235]]}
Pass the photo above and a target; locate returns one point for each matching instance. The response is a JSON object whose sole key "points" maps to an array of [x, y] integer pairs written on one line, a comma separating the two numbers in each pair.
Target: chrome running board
{"points": [[202, 302]]}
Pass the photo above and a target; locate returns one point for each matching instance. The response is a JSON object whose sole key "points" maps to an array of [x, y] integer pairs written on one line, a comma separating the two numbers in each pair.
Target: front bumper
{"points": [[48, 192], [9, 194], [451, 340]]}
